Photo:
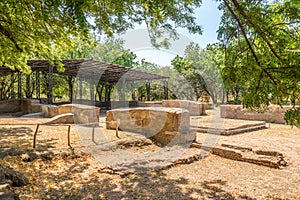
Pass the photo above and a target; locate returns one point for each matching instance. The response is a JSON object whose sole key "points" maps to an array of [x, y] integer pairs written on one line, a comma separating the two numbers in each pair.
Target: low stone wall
{"points": [[117, 104], [163, 125], [83, 114], [274, 114], [150, 104], [10, 106], [25, 106], [194, 108], [208, 106], [30, 106], [159, 104]]}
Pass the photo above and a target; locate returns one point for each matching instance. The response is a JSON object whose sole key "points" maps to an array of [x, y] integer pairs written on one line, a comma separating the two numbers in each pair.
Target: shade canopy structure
{"points": [[107, 72], [89, 70]]}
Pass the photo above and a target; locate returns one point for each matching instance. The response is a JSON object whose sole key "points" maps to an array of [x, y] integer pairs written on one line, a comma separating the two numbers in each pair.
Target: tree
{"points": [[201, 68], [261, 42], [45, 28]]}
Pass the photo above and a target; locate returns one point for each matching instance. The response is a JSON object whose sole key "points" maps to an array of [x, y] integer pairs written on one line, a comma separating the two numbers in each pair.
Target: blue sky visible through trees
{"points": [[208, 16]]}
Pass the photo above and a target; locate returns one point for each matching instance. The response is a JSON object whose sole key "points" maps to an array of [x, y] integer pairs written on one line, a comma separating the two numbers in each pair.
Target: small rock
{"points": [[63, 154], [26, 158]]}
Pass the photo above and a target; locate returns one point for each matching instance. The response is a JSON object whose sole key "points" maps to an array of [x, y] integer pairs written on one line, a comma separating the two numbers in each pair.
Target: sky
{"points": [[208, 17]]}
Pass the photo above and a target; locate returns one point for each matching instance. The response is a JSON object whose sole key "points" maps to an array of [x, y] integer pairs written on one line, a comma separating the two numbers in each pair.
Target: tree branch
{"points": [[243, 31], [10, 37], [241, 11]]}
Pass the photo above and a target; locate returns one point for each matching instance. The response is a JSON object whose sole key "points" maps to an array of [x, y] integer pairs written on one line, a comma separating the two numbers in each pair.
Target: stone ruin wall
{"points": [[195, 108], [24, 106], [83, 114], [164, 125], [275, 114]]}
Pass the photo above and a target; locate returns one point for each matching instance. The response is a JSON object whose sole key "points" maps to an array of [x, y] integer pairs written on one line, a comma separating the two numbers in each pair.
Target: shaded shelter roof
{"points": [[92, 69]]}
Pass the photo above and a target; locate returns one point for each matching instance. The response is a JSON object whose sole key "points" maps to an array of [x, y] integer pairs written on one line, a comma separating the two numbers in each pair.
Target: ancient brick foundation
{"points": [[274, 114]]}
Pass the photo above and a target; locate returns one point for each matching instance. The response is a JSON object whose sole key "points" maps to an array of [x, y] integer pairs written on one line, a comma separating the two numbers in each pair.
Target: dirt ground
{"points": [[78, 176]]}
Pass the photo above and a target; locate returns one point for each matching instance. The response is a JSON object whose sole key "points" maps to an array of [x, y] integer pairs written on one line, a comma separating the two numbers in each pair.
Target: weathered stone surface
{"points": [[17, 178], [161, 124], [208, 105], [166, 158], [150, 104], [67, 118], [35, 108], [231, 131], [116, 104], [274, 114], [26, 105], [10, 106], [266, 158], [83, 114], [195, 108]]}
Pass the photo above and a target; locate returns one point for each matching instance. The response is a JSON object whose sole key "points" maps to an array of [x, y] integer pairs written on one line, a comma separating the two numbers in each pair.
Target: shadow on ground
{"points": [[15, 141], [155, 185]]}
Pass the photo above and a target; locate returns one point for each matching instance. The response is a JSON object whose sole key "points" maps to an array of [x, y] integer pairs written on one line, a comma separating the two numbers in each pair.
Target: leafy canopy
{"points": [[201, 68], [261, 42], [45, 28]]}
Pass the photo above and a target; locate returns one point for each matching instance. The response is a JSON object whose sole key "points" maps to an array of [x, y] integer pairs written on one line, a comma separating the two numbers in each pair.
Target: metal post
{"points": [[107, 95], [166, 89], [19, 85], [38, 83], [122, 92], [92, 90], [12, 88], [28, 86], [70, 88], [50, 84], [148, 90]]}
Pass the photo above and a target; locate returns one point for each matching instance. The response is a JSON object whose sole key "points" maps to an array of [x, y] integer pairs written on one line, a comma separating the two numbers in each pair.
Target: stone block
{"points": [[83, 114], [67, 118], [195, 108], [158, 123], [274, 114], [35, 108], [150, 104], [10, 106]]}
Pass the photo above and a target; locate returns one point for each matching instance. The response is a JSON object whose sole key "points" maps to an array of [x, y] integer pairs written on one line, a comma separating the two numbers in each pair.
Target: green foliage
{"points": [[46, 28], [112, 51], [262, 56], [6, 84], [81, 48], [201, 68], [292, 117]]}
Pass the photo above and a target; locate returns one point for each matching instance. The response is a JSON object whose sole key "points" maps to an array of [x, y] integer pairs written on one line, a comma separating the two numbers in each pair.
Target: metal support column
{"points": [[50, 84], [122, 92], [28, 93], [92, 90], [148, 90], [38, 85], [70, 82], [166, 90], [19, 85], [107, 95], [12, 86]]}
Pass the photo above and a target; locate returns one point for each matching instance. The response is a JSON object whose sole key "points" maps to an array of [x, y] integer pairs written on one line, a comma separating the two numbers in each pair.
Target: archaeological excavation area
{"points": [[114, 149]]}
